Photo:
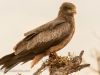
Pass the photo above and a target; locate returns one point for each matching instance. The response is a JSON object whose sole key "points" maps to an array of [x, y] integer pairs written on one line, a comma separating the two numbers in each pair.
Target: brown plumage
{"points": [[43, 40]]}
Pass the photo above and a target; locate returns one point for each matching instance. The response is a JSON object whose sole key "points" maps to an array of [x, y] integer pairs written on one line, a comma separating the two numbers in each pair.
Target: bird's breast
{"points": [[63, 43]]}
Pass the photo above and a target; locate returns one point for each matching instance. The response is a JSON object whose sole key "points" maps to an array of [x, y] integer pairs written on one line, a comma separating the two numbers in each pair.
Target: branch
{"points": [[62, 65]]}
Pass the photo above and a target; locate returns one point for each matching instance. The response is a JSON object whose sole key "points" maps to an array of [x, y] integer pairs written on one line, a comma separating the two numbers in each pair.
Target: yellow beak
{"points": [[73, 11]]}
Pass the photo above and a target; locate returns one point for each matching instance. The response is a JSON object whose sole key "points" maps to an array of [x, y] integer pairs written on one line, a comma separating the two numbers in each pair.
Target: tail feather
{"points": [[12, 60], [6, 58], [21, 59], [7, 69]]}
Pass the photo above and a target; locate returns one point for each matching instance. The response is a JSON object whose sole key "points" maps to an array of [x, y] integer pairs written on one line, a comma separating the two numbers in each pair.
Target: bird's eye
{"points": [[69, 8]]}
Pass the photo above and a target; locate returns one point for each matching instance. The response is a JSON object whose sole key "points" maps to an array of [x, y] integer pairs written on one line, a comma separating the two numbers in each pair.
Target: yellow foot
{"points": [[57, 58]]}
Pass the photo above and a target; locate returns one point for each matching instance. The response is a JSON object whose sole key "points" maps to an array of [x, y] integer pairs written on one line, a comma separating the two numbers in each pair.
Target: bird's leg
{"points": [[57, 58], [54, 55]]}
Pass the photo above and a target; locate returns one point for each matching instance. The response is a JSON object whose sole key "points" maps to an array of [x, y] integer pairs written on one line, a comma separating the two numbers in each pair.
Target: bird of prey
{"points": [[43, 40]]}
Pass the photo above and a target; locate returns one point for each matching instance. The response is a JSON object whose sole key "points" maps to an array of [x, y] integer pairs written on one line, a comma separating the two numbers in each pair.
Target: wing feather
{"points": [[49, 25], [48, 38], [44, 39]]}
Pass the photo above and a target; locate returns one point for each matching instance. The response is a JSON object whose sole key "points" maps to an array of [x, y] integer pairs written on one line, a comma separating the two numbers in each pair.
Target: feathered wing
{"points": [[36, 35], [48, 38], [44, 39], [49, 25]]}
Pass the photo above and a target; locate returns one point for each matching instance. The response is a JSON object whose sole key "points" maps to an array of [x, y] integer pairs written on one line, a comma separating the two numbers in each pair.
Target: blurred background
{"points": [[20, 16]]}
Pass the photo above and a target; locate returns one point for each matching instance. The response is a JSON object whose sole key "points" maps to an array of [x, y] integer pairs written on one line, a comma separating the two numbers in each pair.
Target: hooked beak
{"points": [[73, 11]]}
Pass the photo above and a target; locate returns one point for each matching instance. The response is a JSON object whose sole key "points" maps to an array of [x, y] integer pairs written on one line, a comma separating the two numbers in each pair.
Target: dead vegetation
{"points": [[65, 65]]}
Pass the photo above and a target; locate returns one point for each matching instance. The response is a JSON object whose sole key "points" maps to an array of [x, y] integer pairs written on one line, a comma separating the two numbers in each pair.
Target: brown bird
{"points": [[43, 40]]}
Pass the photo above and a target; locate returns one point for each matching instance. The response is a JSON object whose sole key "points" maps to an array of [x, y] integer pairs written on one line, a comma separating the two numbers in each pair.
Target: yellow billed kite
{"points": [[43, 40]]}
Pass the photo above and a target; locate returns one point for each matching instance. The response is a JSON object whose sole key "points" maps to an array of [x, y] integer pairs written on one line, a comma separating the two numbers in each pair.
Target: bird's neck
{"points": [[68, 18]]}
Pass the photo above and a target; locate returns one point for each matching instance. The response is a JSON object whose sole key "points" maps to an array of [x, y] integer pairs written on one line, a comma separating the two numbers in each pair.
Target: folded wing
{"points": [[45, 39]]}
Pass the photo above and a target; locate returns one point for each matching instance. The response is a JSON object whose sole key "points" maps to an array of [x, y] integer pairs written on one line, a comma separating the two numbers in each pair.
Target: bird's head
{"points": [[67, 9]]}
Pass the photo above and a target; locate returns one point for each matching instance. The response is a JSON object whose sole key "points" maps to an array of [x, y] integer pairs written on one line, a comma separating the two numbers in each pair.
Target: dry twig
{"points": [[62, 65]]}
